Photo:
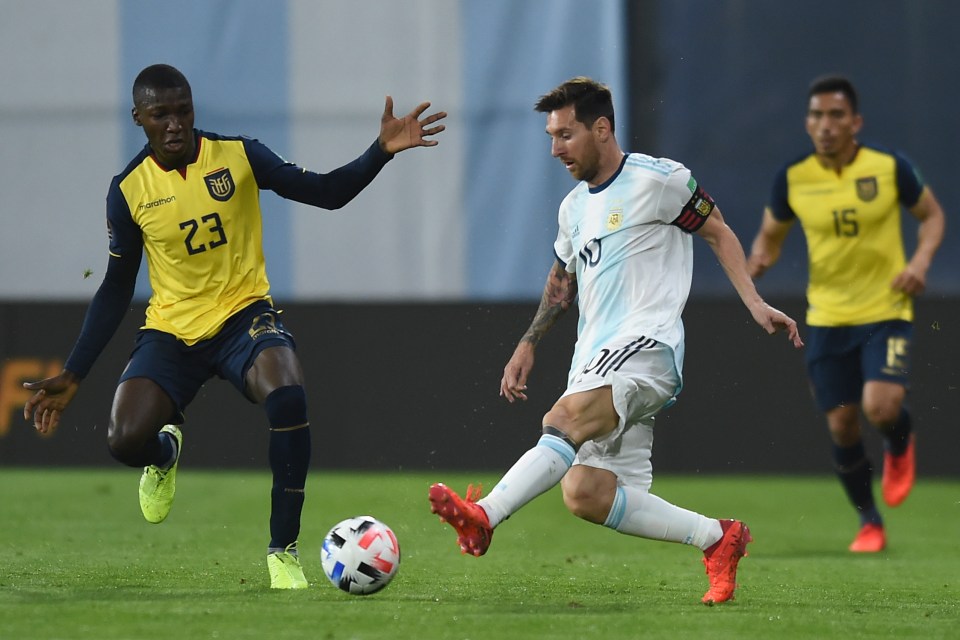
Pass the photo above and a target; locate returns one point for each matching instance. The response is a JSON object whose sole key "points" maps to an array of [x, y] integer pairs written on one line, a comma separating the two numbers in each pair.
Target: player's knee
{"points": [[125, 446], [882, 415], [585, 416], [583, 506], [587, 495], [844, 425], [286, 407], [564, 422], [122, 453], [560, 417]]}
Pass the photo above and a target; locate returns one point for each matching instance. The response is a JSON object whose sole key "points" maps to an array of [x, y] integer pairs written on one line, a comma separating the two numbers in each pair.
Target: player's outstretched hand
{"points": [[774, 320], [398, 134], [513, 385], [51, 398]]}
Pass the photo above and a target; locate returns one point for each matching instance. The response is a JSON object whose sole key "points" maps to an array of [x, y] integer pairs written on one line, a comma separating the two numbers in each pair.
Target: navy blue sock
{"points": [[168, 450], [898, 437], [856, 475], [157, 451], [289, 455]]}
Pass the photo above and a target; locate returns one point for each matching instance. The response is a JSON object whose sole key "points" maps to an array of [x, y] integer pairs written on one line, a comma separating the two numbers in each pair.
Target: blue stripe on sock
{"points": [[617, 509], [560, 446]]}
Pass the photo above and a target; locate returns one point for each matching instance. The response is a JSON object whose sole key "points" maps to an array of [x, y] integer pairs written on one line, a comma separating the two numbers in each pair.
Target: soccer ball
{"points": [[360, 555]]}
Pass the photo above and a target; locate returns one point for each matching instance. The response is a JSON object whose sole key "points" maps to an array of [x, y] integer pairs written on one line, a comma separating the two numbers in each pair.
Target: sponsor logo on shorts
{"points": [[608, 360], [264, 324]]}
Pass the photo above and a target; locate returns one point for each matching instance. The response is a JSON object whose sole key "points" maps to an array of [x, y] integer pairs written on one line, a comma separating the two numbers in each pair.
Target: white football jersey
{"points": [[628, 241]]}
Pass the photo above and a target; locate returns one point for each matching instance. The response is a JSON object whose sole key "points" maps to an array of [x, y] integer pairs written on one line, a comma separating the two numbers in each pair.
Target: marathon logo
{"points": [[159, 202]]}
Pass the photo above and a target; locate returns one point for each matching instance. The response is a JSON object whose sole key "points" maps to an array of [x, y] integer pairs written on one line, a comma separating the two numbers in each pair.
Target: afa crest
{"points": [[703, 207], [615, 219], [867, 188], [220, 184]]}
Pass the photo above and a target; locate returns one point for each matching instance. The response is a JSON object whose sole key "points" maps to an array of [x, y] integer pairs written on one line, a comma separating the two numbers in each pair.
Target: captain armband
{"points": [[694, 214]]}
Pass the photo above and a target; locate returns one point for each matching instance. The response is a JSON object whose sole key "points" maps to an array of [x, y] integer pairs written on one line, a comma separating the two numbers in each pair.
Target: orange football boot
{"points": [[870, 539], [898, 474], [468, 518], [721, 561]]}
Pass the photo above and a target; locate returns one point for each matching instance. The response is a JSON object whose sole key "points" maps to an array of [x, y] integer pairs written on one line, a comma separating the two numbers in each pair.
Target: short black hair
{"points": [[833, 84], [590, 100], [159, 76]]}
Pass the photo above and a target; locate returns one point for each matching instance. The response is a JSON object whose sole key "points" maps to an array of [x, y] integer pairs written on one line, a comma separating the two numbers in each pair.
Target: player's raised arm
{"points": [[399, 134], [336, 188]]}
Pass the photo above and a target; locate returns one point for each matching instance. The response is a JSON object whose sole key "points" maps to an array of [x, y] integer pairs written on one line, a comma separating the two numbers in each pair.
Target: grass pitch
{"points": [[78, 561]]}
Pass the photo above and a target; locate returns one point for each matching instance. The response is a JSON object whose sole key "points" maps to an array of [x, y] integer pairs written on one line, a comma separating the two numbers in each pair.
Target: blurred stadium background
{"points": [[407, 303]]}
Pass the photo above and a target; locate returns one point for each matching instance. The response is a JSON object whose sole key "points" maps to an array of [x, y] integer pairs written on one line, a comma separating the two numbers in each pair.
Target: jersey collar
{"points": [[197, 138], [606, 183]]}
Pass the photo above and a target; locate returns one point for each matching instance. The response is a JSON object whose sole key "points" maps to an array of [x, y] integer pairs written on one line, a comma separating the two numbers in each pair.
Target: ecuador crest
{"points": [[220, 184], [867, 188]]}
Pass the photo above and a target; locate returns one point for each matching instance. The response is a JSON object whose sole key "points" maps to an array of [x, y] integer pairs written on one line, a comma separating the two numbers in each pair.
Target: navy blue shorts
{"points": [[181, 370], [841, 359]]}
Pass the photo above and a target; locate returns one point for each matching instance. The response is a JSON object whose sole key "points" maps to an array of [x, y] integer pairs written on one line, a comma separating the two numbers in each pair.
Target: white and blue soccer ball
{"points": [[360, 555]]}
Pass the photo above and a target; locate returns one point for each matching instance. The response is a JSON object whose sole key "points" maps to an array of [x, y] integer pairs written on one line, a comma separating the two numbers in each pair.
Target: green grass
{"points": [[78, 561]]}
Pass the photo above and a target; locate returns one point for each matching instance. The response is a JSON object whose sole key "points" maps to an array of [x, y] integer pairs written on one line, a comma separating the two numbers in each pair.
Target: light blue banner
{"points": [[513, 53]]}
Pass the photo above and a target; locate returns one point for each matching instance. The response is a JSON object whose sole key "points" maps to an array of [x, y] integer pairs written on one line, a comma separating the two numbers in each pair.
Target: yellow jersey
{"points": [[201, 232], [851, 221], [201, 229], [200, 226]]}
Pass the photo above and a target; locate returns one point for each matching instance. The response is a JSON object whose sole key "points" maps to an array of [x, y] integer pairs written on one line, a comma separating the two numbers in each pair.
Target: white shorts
{"points": [[644, 379]]}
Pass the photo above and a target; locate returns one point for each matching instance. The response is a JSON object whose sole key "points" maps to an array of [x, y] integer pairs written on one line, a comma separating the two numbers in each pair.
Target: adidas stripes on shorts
{"points": [[643, 376]]}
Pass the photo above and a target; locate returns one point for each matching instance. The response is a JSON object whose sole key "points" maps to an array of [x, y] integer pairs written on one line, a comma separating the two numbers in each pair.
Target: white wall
{"points": [[59, 144], [404, 233]]}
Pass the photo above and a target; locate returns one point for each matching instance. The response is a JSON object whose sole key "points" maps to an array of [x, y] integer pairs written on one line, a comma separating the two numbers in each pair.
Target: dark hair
{"points": [[159, 76], [835, 84], [590, 100]]}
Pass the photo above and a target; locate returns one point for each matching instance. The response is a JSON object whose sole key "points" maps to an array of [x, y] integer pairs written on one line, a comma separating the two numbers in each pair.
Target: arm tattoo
{"points": [[558, 294]]}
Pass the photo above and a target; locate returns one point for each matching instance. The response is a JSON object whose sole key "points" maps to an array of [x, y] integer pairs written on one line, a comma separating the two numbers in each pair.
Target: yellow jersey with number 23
{"points": [[201, 231]]}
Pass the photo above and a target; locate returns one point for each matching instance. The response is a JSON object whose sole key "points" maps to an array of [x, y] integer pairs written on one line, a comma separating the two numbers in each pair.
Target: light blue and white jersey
{"points": [[628, 241]]}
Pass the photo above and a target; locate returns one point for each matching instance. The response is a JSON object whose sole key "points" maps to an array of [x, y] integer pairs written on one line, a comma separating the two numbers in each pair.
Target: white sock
{"points": [[637, 512], [538, 470]]}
